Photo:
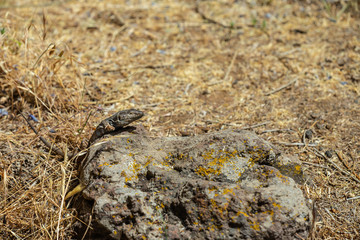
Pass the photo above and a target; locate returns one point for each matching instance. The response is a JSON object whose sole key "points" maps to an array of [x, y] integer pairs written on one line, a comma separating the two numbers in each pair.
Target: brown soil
{"points": [[193, 67]]}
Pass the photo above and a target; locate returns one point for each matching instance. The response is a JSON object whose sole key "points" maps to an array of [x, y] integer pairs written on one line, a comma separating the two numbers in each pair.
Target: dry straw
{"points": [[193, 67]]}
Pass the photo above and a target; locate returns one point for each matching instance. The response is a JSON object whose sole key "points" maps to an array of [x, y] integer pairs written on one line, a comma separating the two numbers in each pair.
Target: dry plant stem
{"points": [[277, 130], [316, 165], [304, 138], [47, 144], [5, 183], [297, 144], [230, 66], [319, 154], [327, 210], [281, 88], [88, 225], [285, 64], [27, 89], [62, 201], [255, 126], [203, 16], [40, 5], [314, 211], [138, 67], [195, 48], [338, 154], [15, 235], [353, 198], [37, 61]]}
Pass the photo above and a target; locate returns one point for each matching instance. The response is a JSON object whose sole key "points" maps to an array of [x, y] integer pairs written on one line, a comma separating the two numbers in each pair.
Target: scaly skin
{"points": [[116, 121], [110, 124]]}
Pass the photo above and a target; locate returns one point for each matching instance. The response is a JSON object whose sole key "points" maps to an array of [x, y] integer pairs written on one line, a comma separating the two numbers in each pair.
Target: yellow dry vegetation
{"points": [[283, 67]]}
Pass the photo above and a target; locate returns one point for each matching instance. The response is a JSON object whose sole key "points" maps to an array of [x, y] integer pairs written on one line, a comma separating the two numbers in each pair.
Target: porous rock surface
{"points": [[221, 185]]}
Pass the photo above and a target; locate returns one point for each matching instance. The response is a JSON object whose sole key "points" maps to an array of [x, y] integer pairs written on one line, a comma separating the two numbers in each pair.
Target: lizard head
{"points": [[125, 117]]}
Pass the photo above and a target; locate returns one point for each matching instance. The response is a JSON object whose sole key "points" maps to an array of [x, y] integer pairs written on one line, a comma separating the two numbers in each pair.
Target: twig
{"points": [[38, 59], [86, 122], [304, 138], [255, 126], [286, 65], [319, 154], [138, 67], [42, 5], [62, 200], [314, 213], [27, 89], [139, 52], [353, 198], [277, 130], [348, 168], [89, 224], [327, 210], [284, 54], [13, 233], [230, 66], [281, 88], [297, 144], [316, 165], [47, 144], [210, 20]]}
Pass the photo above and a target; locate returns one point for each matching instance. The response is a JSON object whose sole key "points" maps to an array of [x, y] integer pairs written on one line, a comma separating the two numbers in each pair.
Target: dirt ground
{"points": [[289, 70]]}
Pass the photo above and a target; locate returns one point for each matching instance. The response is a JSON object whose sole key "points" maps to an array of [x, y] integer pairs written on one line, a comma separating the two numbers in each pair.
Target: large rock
{"points": [[221, 185]]}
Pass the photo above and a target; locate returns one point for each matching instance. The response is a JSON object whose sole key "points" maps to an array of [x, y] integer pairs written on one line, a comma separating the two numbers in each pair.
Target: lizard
{"points": [[115, 122]]}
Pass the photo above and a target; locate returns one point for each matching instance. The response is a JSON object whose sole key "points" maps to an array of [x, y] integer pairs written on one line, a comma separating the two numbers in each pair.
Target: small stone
{"points": [[3, 112], [314, 115], [308, 134], [328, 153], [342, 61], [355, 77]]}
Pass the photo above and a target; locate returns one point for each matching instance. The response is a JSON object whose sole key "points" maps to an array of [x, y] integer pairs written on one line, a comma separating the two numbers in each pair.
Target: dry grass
{"points": [[192, 69]]}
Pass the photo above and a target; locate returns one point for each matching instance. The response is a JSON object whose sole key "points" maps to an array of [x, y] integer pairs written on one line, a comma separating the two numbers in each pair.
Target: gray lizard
{"points": [[115, 122]]}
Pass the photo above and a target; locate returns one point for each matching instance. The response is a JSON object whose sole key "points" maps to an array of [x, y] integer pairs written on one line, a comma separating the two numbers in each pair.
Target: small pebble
{"points": [[314, 115], [3, 112], [268, 15], [308, 134], [161, 51], [328, 153], [342, 61]]}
